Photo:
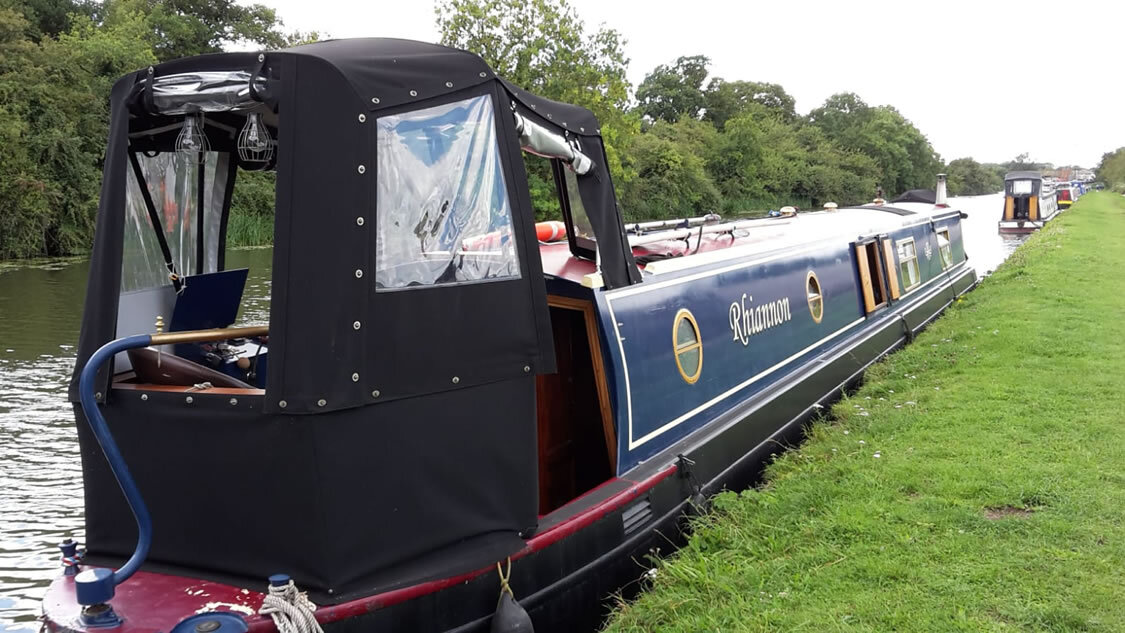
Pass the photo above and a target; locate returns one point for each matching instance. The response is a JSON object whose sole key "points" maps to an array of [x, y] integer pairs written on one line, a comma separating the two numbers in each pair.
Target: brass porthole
{"points": [[814, 296], [688, 346]]}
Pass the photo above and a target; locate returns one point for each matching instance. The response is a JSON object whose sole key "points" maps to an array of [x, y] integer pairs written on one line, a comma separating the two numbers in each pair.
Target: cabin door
{"points": [[878, 281], [576, 437]]}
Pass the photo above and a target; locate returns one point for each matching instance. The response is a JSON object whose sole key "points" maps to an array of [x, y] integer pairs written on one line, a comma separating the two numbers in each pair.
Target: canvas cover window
{"points": [[172, 181], [443, 213], [1021, 187]]}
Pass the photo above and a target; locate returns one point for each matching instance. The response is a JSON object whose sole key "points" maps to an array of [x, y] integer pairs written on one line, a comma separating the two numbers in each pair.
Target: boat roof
{"points": [[917, 195], [1023, 175], [788, 233], [389, 72]]}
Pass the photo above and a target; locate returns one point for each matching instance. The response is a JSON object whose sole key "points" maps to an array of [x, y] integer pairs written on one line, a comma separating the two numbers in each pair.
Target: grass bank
{"points": [[976, 482]]}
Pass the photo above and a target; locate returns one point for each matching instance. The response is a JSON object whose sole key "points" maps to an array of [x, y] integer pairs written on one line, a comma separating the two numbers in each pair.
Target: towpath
{"points": [[976, 482]]}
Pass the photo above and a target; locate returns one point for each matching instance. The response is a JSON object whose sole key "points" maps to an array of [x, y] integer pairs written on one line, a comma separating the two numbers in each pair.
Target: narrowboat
{"points": [[1029, 202], [446, 424], [1067, 191]]}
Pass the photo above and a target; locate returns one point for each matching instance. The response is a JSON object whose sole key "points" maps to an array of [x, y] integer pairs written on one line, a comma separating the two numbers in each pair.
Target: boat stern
{"points": [[153, 603]]}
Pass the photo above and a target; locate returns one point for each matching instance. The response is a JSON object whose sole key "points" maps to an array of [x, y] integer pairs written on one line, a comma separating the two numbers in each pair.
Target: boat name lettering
{"points": [[746, 321]]}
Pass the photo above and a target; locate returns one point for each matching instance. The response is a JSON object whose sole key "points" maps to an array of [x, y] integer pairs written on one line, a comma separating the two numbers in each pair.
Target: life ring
{"points": [[551, 231]]}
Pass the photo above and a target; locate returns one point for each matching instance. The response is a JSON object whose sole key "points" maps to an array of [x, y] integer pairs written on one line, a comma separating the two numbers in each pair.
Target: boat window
{"points": [[442, 207], [814, 296], [908, 264], [172, 183], [688, 346], [945, 249], [1021, 187]]}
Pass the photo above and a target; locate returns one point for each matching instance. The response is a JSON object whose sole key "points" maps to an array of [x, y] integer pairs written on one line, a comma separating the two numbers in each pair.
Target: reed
{"points": [[973, 483], [249, 229]]}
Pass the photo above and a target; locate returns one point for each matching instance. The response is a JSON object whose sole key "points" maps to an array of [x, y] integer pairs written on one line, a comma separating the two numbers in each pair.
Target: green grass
{"points": [[249, 229], [976, 482]]}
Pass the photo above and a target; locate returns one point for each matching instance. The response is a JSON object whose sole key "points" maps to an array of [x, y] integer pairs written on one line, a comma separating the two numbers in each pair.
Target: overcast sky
{"points": [[984, 79]]}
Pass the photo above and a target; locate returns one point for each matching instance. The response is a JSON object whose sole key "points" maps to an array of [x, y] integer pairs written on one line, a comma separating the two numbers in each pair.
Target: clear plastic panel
{"points": [[214, 91], [1021, 187], [172, 182], [442, 205], [582, 226]]}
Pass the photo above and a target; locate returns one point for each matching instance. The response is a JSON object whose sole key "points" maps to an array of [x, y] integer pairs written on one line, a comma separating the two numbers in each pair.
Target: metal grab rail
{"points": [[97, 586]]}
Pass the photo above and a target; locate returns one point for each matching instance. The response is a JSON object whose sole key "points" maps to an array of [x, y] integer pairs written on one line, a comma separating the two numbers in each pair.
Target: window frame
{"points": [[946, 264], [812, 278], [583, 247], [685, 315], [873, 288], [902, 261]]}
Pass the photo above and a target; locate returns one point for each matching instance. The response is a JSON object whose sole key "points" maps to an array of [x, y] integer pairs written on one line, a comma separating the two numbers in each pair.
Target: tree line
{"points": [[1111, 170], [680, 143]]}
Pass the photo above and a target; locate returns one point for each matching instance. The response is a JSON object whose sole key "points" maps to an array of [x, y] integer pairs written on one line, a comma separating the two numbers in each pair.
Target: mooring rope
{"points": [[504, 586], [291, 610]]}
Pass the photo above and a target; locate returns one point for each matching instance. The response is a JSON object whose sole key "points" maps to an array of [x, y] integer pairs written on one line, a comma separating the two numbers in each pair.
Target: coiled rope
{"points": [[291, 610]]}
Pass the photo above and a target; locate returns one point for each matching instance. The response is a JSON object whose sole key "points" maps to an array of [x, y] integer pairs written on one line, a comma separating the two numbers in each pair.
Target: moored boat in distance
{"points": [[1029, 202], [1067, 192], [441, 405]]}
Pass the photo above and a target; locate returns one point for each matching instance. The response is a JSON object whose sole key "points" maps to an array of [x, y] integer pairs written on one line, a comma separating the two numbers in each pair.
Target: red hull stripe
{"points": [[538, 542]]}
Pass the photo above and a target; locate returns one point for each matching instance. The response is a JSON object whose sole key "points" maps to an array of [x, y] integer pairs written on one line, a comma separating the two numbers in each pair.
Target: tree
{"points": [[905, 157], [182, 28], [49, 18], [967, 177], [544, 47], [671, 181], [726, 99], [1111, 170], [55, 116], [840, 113], [670, 93]]}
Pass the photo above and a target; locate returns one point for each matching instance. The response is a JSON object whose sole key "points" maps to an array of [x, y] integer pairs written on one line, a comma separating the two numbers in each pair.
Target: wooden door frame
{"points": [[865, 282], [594, 342]]}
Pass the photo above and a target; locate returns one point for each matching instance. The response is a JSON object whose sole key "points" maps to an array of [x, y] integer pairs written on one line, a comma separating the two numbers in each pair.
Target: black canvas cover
{"points": [[596, 186], [350, 502], [396, 437], [917, 195]]}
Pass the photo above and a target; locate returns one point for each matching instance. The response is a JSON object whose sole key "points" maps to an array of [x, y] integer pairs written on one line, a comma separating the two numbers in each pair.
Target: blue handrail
{"points": [[95, 588]]}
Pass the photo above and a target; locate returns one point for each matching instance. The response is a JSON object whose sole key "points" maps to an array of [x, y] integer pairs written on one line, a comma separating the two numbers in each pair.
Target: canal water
{"points": [[40, 473]]}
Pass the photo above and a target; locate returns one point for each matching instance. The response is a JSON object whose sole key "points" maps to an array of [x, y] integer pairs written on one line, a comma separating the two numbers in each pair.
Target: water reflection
{"points": [[40, 472]]}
